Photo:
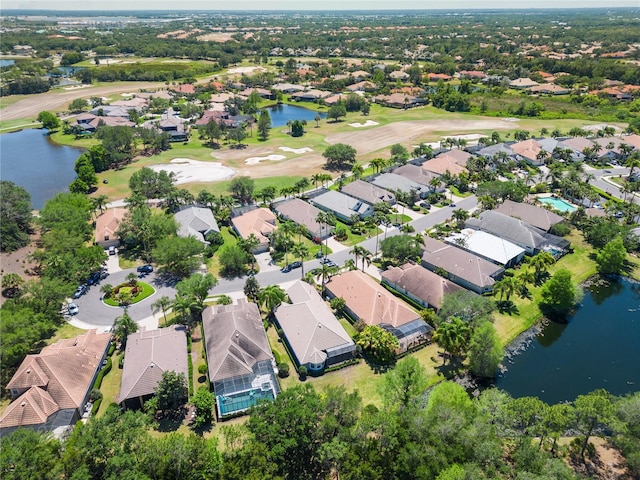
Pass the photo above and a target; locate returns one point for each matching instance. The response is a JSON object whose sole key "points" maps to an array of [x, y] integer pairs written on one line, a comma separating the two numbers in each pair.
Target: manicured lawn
{"points": [[213, 264], [66, 330], [348, 327], [198, 358], [147, 291], [110, 387]]}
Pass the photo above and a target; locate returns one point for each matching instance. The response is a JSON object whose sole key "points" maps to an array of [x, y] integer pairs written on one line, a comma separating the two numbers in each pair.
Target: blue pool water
{"points": [[558, 204], [241, 401]]}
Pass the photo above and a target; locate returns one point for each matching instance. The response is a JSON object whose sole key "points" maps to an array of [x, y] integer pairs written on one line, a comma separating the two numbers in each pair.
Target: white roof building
{"points": [[487, 246]]}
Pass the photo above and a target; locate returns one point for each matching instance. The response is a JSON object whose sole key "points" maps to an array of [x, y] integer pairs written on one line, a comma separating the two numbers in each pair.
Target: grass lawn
{"points": [[66, 330], [147, 291], [213, 264], [198, 358], [347, 327], [111, 384], [581, 266]]}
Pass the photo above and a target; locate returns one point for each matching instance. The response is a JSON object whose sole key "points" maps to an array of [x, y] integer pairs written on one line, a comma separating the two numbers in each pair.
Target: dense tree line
{"points": [[304, 434]]}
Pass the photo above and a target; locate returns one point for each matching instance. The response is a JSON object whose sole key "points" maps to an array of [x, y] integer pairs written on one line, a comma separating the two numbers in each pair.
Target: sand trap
{"points": [[186, 170], [368, 123], [246, 70], [256, 160], [297, 151], [471, 136], [78, 87]]}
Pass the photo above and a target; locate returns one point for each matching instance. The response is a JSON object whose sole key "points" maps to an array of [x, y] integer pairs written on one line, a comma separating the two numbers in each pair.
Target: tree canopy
{"points": [[15, 216]]}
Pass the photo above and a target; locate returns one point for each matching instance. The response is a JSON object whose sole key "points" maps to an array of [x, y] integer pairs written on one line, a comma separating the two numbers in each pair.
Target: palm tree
{"points": [[249, 244], [540, 263], [271, 297], [316, 178], [300, 250], [317, 119], [357, 170], [378, 164], [355, 251], [452, 335], [286, 229], [106, 290], [460, 216], [99, 203], [366, 256], [326, 219], [325, 272], [184, 305], [434, 184], [124, 327], [162, 304], [505, 288]]}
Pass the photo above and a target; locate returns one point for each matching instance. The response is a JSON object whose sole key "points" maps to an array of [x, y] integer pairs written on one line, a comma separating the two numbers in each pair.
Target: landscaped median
{"points": [[128, 294]]}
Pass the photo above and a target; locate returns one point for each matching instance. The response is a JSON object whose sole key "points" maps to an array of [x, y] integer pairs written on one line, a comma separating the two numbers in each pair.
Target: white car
{"points": [[73, 309]]}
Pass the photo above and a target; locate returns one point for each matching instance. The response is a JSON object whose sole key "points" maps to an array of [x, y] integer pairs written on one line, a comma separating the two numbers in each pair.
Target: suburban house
{"points": [[287, 88], [302, 213], [494, 151], [342, 206], [452, 161], [260, 222], [523, 83], [107, 225], [530, 151], [196, 222], [49, 390], [148, 355], [313, 334], [242, 369], [532, 239], [492, 248], [312, 95], [419, 284], [364, 86], [537, 216], [577, 145], [399, 100], [368, 192], [416, 174], [464, 268], [174, 126], [395, 182], [549, 89], [370, 302]]}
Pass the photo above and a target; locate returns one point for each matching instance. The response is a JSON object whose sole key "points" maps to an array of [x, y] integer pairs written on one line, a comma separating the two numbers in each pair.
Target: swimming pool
{"points": [[558, 204], [241, 401]]}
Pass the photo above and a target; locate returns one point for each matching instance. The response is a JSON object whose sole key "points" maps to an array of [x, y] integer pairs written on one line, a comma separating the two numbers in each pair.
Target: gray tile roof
{"points": [[235, 339], [342, 205], [148, 355], [512, 229], [394, 182], [368, 192], [533, 215], [196, 222], [309, 325], [302, 213]]}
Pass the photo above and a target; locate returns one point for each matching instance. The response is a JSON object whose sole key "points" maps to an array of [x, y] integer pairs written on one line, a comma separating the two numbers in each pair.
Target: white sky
{"points": [[303, 5]]}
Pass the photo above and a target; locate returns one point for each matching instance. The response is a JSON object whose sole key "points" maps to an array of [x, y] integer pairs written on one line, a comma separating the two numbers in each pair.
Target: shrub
{"points": [[95, 395], [276, 356], [202, 369], [560, 229], [283, 370], [303, 372]]}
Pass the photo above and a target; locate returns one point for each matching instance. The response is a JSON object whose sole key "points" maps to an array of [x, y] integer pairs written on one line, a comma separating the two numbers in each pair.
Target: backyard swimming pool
{"points": [[238, 402], [558, 204]]}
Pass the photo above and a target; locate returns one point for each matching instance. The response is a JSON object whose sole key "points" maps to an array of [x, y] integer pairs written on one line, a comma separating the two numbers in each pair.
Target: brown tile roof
{"points": [[453, 161], [461, 264], [261, 222], [302, 213], [309, 325], [64, 369], [371, 302], [420, 282], [107, 224], [527, 148], [148, 355], [235, 339], [536, 216], [32, 408]]}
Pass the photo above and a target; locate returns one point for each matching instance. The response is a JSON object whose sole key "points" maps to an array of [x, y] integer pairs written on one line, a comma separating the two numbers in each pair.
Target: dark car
{"points": [[286, 269], [81, 290], [319, 254], [94, 278], [296, 265], [426, 205], [145, 269], [103, 274]]}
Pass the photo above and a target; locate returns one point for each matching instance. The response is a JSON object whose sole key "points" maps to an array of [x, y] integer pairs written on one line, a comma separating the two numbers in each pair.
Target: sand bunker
{"points": [[246, 70], [256, 160], [471, 136], [186, 170], [297, 151], [368, 123]]}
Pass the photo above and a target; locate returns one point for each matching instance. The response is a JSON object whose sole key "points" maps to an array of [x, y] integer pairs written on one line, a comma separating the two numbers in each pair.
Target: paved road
{"points": [[93, 313]]}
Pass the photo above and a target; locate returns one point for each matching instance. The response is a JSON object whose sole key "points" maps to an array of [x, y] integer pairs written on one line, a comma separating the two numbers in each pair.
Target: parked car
{"points": [[94, 278], [81, 290], [286, 269], [103, 274], [112, 250], [296, 264], [145, 269], [73, 309], [426, 205]]}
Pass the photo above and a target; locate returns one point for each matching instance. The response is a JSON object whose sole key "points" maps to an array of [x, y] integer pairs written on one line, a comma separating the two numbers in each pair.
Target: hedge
{"points": [[190, 363], [102, 373], [112, 348], [96, 406]]}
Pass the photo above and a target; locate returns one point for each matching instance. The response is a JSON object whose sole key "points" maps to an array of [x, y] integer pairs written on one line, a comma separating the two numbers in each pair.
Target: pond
{"points": [[31, 160], [599, 347], [6, 63], [282, 113]]}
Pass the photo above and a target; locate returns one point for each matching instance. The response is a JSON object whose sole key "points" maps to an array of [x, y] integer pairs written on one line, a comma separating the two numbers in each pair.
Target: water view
{"points": [[281, 114], [598, 348], [30, 159]]}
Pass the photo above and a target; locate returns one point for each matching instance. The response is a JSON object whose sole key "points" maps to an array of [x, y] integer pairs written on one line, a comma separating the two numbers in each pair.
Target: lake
{"points": [[598, 348], [30, 159], [281, 114], [6, 63]]}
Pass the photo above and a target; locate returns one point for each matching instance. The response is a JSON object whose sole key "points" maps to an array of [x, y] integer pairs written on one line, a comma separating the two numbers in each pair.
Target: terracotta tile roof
{"points": [[148, 355], [528, 148], [453, 161], [32, 408], [371, 302], [66, 368], [309, 325], [107, 224], [420, 282], [235, 339], [261, 222]]}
